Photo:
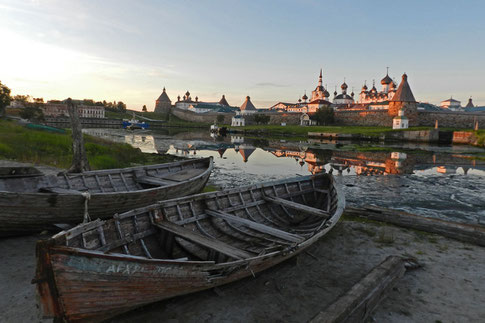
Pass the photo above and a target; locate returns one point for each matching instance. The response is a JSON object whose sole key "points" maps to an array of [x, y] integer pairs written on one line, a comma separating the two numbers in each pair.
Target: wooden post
{"points": [[79, 159], [358, 303]]}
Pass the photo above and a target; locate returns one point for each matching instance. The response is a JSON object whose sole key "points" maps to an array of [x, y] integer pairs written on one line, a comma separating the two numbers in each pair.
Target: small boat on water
{"points": [[33, 203], [100, 269], [134, 124]]}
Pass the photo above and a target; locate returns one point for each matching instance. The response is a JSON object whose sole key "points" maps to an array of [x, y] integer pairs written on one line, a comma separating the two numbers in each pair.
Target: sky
{"points": [[119, 50]]}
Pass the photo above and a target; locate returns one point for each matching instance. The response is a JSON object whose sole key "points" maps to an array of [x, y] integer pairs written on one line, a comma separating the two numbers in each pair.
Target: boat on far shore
{"points": [[134, 123]]}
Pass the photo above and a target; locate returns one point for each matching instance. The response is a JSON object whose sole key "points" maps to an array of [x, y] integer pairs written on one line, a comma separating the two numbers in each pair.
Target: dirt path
{"points": [[449, 288]]}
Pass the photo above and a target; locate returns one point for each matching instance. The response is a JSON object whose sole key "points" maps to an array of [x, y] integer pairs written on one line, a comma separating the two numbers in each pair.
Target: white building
{"points": [[344, 98], [238, 121], [400, 121], [451, 104]]}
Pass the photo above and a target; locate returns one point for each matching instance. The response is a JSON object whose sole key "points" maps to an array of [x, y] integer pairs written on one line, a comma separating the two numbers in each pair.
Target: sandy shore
{"points": [[449, 288]]}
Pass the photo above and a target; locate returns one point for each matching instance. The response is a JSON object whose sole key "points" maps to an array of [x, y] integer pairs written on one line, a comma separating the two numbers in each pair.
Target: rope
{"points": [[87, 197]]}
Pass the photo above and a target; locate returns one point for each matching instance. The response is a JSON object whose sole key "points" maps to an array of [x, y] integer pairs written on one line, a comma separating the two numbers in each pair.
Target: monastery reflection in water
{"points": [[315, 156], [337, 161]]}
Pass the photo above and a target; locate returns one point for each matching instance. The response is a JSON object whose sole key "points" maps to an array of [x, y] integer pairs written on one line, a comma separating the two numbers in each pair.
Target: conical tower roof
{"points": [[164, 97], [404, 93], [248, 105], [245, 153], [223, 101], [470, 103]]}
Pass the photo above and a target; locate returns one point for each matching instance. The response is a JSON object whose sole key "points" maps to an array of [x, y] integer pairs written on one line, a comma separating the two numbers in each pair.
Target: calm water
{"points": [[437, 181]]}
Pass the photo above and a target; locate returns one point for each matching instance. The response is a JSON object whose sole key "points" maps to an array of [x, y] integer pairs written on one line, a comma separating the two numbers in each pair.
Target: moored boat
{"points": [[33, 203], [103, 268]]}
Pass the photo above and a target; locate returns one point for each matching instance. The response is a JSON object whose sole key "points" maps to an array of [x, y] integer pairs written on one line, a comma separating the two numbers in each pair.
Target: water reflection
{"points": [[280, 157]]}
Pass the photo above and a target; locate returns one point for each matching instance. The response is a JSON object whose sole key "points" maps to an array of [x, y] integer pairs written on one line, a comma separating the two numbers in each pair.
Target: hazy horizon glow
{"points": [[270, 50]]}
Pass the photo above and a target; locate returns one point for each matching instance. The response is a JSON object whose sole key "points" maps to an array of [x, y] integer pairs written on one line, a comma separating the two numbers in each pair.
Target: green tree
{"points": [[121, 106], [144, 109], [324, 116], [220, 118], [5, 99], [32, 113], [21, 98], [88, 102], [261, 118]]}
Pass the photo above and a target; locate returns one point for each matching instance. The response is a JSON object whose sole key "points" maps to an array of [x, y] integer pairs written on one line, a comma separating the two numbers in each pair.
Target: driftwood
{"points": [[79, 159], [363, 297], [470, 233]]}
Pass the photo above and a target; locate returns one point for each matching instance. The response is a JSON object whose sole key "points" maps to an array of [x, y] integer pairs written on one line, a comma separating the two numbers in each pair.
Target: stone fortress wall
{"points": [[451, 119], [382, 118]]}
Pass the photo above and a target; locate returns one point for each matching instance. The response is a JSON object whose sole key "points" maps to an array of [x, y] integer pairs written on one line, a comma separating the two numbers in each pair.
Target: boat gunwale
{"points": [[61, 236]]}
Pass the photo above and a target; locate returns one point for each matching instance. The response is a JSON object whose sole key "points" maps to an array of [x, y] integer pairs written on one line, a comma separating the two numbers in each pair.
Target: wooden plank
{"points": [[124, 181], [297, 206], [59, 190], [199, 239], [183, 175], [256, 226], [112, 183], [459, 231], [358, 303], [98, 182], [150, 180]]}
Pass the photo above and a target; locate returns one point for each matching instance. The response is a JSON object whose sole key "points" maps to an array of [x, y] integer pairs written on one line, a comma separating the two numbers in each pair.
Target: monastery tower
{"points": [[404, 99]]}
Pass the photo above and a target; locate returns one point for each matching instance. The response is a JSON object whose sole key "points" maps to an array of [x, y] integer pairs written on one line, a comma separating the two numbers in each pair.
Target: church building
{"points": [[344, 99], [374, 96]]}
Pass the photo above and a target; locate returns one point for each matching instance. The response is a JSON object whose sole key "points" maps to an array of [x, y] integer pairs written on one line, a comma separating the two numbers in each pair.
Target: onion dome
{"points": [[335, 93], [299, 100], [364, 88], [304, 97], [178, 98], [196, 99], [187, 94], [344, 86], [326, 94], [386, 80], [352, 94]]}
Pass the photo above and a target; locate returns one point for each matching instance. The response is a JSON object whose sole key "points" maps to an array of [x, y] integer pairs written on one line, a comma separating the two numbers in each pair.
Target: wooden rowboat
{"points": [[100, 269], [32, 203]]}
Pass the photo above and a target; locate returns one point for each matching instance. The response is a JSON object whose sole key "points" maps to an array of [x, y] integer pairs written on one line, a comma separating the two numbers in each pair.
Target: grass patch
{"points": [[33, 146], [299, 130], [385, 237], [210, 188], [170, 120]]}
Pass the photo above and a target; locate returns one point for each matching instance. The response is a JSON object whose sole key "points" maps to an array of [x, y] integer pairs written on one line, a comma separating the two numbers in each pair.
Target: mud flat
{"points": [[450, 286]]}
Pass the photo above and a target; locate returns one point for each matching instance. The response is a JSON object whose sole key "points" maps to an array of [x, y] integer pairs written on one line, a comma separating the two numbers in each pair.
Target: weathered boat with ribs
{"points": [[33, 203], [103, 268]]}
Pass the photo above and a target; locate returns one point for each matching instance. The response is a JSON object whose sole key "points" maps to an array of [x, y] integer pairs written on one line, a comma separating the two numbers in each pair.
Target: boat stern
{"points": [[47, 295]]}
